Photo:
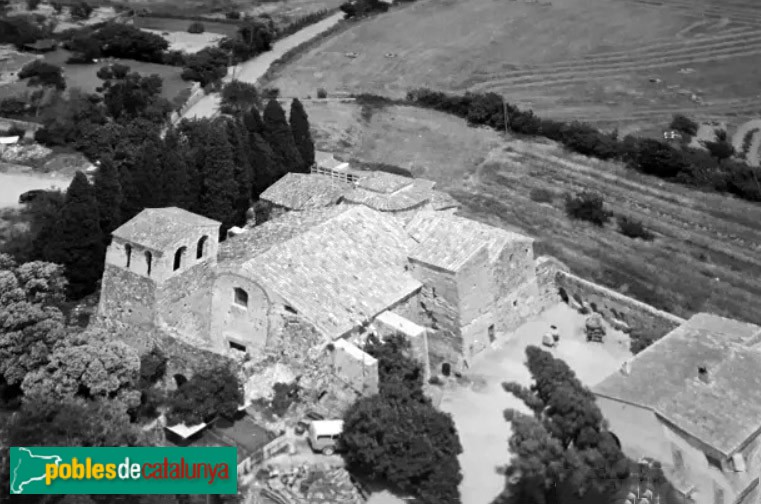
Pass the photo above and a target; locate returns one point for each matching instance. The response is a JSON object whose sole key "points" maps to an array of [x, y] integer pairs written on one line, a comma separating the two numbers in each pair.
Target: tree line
{"points": [[712, 168], [213, 167]]}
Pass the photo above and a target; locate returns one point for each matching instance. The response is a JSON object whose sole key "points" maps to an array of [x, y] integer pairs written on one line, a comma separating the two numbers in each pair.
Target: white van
{"points": [[324, 435]]}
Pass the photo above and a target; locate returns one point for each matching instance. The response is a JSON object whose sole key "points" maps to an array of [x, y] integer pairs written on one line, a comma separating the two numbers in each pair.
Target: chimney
{"points": [[703, 374], [626, 368]]}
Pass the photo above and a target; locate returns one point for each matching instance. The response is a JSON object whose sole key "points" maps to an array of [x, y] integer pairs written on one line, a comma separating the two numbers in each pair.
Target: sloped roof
{"points": [[340, 273], [237, 250], [664, 377], [392, 193], [382, 182], [298, 191], [158, 228], [449, 241]]}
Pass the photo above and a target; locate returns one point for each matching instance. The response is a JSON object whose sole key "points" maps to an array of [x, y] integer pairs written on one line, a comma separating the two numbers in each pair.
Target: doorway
{"points": [[492, 335]]}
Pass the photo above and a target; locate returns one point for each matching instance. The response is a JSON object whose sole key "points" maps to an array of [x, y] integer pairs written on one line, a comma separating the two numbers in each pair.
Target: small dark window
{"points": [[446, 369], [515, 303], [290, 309], [149, 261], [563, 295], [594, 307], [128, 251], [180, 380], [201, 247], [178, 257], [492, 336], [241, 297], [237, 346]]}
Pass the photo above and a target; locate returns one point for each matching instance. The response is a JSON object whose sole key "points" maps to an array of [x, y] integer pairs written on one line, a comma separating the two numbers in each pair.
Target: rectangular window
{"points": [[237, 346], [241, 297]]}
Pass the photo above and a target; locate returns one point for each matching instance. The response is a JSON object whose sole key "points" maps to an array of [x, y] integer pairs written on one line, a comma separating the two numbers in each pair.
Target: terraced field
{"points": [[622, 63], [707, 251]]}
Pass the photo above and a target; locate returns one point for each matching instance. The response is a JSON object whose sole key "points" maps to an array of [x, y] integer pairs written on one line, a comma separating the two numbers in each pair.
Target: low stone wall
{"points": [[547, 269], [621, 311]]}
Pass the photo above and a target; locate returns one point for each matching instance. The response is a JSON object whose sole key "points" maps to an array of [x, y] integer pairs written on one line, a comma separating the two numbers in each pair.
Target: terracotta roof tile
{"points": [[158, 228]]}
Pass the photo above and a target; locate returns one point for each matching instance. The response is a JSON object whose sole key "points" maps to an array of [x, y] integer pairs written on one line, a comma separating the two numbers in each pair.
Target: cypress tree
{"points": [[175, 184], [147, 174], [301, 134], [278, 134], [218, 188], [108, 192], [264, 161], [77, 241], [196, 131], [242, 159], [131, 199]]}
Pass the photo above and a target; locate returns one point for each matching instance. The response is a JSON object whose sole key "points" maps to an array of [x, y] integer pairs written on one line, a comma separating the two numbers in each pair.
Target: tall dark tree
{"points": [[218, 189], [278, 134], [175, 183], [147, 174], [301, 134], [195, 132], [243, 172], [77, 241], [264, 161], [108, 192], [131, 198]]}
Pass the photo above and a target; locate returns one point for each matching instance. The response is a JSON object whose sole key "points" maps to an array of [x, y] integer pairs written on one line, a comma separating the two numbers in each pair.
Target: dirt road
{"points": [[253, 70]]}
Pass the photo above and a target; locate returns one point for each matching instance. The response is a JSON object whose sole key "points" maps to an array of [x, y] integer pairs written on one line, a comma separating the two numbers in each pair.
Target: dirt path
{"points": [[253, 70]]}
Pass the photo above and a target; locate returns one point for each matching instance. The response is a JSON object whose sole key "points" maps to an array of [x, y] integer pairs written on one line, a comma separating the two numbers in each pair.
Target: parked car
{"points": [[303, 424], [324, 436]]}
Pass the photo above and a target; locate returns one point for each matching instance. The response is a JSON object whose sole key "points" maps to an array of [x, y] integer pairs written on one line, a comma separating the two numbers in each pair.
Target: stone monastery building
{"points": [[339, 256]]}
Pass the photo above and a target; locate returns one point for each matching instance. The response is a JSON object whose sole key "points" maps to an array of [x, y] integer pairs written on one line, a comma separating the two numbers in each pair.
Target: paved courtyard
{"points": [[477, 408]]}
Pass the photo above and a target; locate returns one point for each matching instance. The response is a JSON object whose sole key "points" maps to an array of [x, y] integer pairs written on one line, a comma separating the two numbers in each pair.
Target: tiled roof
{"points": [[158, 228], [448, 241], [298, 191], [443, 201], [237, 250], [664, 377], [382, 182], [340, 273]]}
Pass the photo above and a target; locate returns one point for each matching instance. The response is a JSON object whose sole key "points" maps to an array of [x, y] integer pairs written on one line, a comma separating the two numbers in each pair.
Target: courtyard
{"points": [[477, 404]]}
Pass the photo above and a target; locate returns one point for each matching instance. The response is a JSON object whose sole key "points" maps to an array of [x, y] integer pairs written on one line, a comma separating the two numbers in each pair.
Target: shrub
{"points": [[232, 15], [588, 206], [81, 10], [13, 107], [542, 195], [321, 93], [196, 27], [271, 93], [57, 7], [285, 395], [684, 125], [633, 229], [32, 4]]}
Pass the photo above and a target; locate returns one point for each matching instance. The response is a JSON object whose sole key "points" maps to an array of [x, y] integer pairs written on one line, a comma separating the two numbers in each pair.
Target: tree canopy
{"points": [[211, 392]]}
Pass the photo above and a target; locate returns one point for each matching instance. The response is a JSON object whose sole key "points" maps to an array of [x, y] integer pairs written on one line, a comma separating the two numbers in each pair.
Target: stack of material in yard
{"points": [[333, 487], [594, 328]]}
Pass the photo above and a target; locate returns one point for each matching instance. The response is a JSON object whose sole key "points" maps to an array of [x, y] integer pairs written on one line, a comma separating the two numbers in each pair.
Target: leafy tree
{"points": [[211, 392], [31, 325], [92, 367], [684, 125], [77, 240], [721, 148], [19, 31], [66, 121], [238, 96], [218, 190], [565, 443], [207, 66], [196, 27], [128, 94], [278, 134], [108, 192], [588, 206], [659, 158], [41, 73], [301, 134], [398, 436], [80, 10]]}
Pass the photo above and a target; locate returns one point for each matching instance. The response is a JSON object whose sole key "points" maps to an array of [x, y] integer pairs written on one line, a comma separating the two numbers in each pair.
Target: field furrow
{"points": [[742, 40], [743, 16], [599, 70], [583, 75], [751, 106]]}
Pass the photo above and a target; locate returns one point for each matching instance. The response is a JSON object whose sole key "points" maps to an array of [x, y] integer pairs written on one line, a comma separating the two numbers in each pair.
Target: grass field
{"points": [[85, 76], [706, 254], [624, 63]]}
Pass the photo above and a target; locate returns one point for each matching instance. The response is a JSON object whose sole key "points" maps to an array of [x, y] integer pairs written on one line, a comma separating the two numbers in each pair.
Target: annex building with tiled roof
{"points": [[342, 260], [693, 400]]}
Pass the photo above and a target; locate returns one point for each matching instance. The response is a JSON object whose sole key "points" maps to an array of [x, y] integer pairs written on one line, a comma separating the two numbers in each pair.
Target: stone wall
{"points": [[621, 311], [547, 269], [184, 303], [477, 288], [247, 325], [356, 368], [439, 304], [127, 297]]}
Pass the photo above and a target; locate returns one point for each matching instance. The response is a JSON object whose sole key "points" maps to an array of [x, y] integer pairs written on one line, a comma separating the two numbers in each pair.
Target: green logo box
{"points": [[143, 471]]}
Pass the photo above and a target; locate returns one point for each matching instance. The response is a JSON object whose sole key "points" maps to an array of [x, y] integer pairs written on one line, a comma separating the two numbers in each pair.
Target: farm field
{"points": [[618, 63], [85, 76], [707, 252]]}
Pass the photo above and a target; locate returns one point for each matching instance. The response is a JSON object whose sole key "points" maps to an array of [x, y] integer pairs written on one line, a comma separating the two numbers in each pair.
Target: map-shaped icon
{"points": [[28, 468]]}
